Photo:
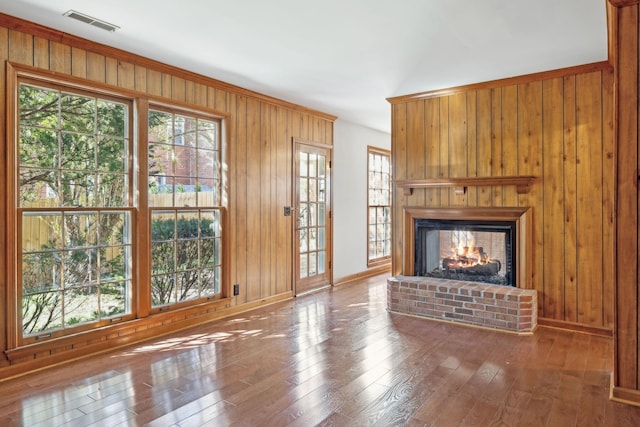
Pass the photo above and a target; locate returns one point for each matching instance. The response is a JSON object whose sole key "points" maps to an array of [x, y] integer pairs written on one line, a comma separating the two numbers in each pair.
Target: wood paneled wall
{"points": [[557, 126], [624, 33], [259, 134]]}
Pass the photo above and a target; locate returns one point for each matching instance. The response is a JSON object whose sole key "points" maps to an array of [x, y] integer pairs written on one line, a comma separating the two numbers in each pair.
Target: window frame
{"points": [[138, 104], [383, 260], [144, 183]]}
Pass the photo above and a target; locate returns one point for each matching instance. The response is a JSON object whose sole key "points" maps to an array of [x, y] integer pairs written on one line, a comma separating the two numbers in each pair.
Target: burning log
{"points": [[472, 261], [490, 268]]}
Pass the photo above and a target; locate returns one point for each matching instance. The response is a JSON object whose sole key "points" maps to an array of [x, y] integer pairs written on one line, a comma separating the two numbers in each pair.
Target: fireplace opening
{"points": [[469, 250]]}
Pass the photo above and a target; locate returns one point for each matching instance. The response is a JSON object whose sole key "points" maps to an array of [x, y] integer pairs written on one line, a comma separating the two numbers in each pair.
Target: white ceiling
{"points": [[342, 57]]}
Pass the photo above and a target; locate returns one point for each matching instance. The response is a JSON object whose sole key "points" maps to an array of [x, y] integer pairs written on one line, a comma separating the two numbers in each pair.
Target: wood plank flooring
{"points": [[333, 358]]}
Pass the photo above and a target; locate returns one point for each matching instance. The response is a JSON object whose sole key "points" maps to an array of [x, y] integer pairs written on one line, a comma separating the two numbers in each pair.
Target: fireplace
{"points": [[467, 265], [476, 251], [486, 245]]}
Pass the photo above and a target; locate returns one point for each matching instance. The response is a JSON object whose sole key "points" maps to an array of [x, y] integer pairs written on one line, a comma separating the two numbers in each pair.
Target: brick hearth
{"points": [[492, 306]]}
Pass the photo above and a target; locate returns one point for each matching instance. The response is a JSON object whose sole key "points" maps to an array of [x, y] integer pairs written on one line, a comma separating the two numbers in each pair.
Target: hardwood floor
{"points": [[333, 358]]}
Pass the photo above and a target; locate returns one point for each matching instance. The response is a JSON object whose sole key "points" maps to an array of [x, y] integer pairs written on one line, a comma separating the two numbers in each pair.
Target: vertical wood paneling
{"points": [[200, 95], [416, 146], [589, 194], [178, 89], [507, 161], [553, 200], [485, 140], [253, 202], [472, 146], [570, 201], [443, 169], [284, 224], [627, 357], [529, 162], [189, 92], [265, 210], [167, 86], [96, 67], [240, 210], [20, 47], [432, 148], [140, 78], [126, 75], [154, 82], [111, 71], [608, 198], [398, 159], [60, 58], [79, 62], [458, 160], [40, 52], [497, 127], [273, 206], [4, 55], [554, 129], [233, 190]]}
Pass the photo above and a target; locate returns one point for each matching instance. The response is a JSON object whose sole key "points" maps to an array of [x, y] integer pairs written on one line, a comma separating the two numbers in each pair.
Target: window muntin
{"points": [[379, 205], [184, 196], [74, 208]]}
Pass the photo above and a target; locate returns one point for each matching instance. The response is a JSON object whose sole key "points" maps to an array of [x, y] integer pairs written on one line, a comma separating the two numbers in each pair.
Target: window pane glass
{"points": [[78, 113], [81, 305], [39, 147], [163, 289], [304, 164], [112, 154], [321, 262], [41, 312], [322, 213], [210, 281], [304, 265], [313, 165], [114, 299], [207, 135], [313, 240], [41, 231], [187, 282], [39, 107], [112, 119], [304, 189], [81, 229], [313, 264], [322, 166]]}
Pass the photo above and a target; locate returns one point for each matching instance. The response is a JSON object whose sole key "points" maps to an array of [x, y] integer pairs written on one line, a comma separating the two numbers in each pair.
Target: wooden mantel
{"points": [[522, 183]]}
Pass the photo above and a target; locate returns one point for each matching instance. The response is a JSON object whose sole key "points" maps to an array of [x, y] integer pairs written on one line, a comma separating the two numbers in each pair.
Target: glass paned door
{"points": [[312, 217]]}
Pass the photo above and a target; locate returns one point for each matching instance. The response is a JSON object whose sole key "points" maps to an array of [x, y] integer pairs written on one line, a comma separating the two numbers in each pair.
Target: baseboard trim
{"points": [[370, 272], [624, 395], [576, 327]]}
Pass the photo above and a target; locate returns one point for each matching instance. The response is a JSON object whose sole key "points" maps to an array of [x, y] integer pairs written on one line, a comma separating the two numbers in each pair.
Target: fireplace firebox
{"points": [[490, 245], [469, 250]]}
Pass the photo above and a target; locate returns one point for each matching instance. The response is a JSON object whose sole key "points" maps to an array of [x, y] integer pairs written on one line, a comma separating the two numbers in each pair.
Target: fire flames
{"points": [[467, 256]]}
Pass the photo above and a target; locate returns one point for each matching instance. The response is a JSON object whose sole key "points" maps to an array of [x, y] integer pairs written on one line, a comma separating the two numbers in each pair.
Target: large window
{"points": [[80, 218], [379, 206], [184, 195], [74, 208]]}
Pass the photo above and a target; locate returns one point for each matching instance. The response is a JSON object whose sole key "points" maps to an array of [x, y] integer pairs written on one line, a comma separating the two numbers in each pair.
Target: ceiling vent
{"points": [[91, 21]]}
